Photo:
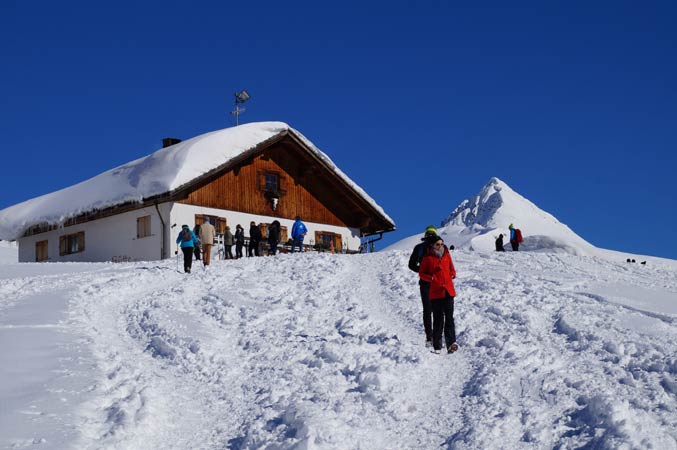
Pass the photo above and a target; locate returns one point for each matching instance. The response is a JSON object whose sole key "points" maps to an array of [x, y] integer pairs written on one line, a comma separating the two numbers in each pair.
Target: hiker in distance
{"points": [[197, 250], [429, 237], [188, 241], [298, 233], [274, 236], [227, 244], [239, 240], [207, 234], [254, 239], [499, 243], [437, 268], [515, 238]]}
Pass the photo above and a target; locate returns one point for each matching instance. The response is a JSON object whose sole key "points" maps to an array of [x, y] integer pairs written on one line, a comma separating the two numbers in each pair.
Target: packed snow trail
{"points": [[326, 351], [294, 350]]}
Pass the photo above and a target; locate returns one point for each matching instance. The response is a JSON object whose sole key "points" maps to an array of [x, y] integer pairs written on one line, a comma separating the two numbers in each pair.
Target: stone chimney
{"points": [[168, 142]]}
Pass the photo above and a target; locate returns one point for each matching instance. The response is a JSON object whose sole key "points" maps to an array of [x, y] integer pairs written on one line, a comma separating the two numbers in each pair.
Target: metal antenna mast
{"points": [[240, 98]]}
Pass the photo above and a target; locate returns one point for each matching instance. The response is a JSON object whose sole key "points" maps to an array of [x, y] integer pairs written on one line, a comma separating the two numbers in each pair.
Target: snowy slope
{"points": [[326, 351]]}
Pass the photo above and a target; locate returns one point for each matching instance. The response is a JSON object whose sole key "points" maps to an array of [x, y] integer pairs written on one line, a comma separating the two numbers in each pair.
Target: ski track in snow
{"points": [[326, 351]]}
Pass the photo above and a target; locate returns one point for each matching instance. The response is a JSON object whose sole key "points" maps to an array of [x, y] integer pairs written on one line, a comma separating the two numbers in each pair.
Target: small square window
{"points": [[272, 182], [72, 243]]}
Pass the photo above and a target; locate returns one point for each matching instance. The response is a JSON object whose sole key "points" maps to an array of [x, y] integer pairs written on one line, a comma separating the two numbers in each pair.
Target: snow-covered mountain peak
{"points": [[478, 220], [496, 206]]}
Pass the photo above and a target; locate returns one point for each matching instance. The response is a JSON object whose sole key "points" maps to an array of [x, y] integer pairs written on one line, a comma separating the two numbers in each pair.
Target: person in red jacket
{"points": [[438, 269]]}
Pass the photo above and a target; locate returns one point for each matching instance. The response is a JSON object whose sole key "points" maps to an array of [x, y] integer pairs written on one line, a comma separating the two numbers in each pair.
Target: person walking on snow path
{"points": [[207, 233], [429, 237], [438, 269], [196, 232], [188, 241]]}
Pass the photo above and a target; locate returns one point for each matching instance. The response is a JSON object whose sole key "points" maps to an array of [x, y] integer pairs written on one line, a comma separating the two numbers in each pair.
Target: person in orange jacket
{"points": [[438, 269]]}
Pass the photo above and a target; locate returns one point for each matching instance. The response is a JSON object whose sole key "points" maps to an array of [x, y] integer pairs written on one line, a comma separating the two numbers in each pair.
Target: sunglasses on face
{"points": [[438, 244]]}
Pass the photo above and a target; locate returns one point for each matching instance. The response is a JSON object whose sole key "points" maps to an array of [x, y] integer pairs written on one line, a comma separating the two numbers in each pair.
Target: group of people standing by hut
{"points": [[199, 241]]}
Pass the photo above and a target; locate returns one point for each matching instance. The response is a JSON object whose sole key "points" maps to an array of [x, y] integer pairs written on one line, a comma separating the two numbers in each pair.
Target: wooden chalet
{"points": [[279, 177]]}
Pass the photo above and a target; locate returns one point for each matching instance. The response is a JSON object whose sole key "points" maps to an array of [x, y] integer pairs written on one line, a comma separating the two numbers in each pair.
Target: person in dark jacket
{"points": [[429, 237], [188, 241], [274, 236], [254, 239], [437, 268], [228, 244], [499, 243], [197, 249], [239, 240]]}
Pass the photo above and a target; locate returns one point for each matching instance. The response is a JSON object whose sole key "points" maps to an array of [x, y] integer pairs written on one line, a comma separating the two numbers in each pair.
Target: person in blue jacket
{"points": [[188, 241], [298, 232]]}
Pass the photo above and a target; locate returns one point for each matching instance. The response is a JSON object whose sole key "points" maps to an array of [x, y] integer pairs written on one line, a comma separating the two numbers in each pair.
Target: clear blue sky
{"points": [[574, 106]]}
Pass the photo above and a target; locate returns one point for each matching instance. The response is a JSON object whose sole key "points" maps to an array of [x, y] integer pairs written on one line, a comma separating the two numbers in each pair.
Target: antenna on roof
{"points": [[240, 98]]}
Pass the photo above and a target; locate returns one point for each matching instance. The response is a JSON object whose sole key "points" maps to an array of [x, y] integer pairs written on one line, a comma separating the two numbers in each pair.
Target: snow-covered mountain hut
{"points": [[254, 172]]}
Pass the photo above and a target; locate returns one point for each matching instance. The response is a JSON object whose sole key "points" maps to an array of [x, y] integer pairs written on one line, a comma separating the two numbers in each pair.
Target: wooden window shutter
{"points": [[261, 180], [221, 223], [283, 235], [338, 244], [41, 251], [81, 241], [318, 237], [63, 241]]}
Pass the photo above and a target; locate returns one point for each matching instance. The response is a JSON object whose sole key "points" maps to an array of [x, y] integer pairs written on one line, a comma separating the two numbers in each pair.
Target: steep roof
{"points": [[161, 172]]}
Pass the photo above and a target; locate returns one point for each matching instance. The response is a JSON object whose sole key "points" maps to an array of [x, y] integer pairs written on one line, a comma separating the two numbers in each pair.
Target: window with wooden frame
{"points": [[218, 222], [142, 227], [271, 183], [72, 243], [325, 239], [41, 252]]}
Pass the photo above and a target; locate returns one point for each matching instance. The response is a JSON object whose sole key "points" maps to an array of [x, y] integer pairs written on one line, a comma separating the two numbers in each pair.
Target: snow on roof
{"points": [[158, 173]]}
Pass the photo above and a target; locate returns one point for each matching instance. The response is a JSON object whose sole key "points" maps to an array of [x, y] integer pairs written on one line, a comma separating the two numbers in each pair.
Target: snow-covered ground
{"points": [[326, 351]]}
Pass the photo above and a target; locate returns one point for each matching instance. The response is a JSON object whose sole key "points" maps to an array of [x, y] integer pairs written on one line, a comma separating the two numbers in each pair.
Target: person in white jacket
{"points": [[207, 233]]}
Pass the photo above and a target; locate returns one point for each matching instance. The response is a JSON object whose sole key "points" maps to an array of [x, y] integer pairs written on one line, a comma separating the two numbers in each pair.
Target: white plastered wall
{"points": [[107, 239]]}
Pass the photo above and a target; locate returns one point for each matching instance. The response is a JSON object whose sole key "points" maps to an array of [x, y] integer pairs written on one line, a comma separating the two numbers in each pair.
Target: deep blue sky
{"points": [[574, 106]]}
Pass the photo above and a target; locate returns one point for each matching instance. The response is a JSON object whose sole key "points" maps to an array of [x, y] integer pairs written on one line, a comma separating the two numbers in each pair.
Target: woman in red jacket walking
{"points": [[438, 269]]}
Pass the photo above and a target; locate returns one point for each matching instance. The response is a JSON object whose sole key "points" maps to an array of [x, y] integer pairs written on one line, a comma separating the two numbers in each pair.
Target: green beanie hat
{"points": [[430, 231]]}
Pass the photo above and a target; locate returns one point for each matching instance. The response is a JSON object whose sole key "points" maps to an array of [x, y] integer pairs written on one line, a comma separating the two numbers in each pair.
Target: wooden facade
{"points": [[305, 187]]}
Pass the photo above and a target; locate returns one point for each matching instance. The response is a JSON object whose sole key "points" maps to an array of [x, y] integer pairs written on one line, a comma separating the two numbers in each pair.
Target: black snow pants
{"points": [[443, 320], [427, 309], [187, 258]]}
